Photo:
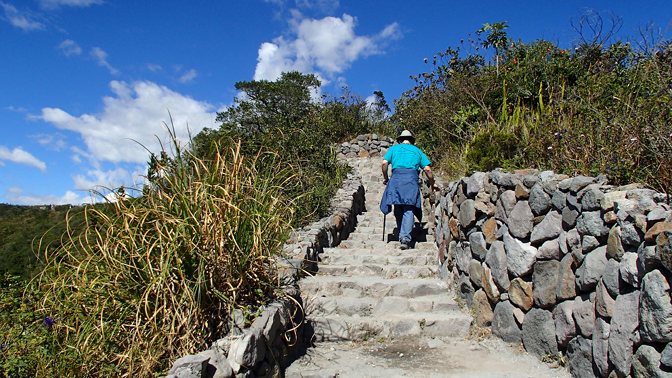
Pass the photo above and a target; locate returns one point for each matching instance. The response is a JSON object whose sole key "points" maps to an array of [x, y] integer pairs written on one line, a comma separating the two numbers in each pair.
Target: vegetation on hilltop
{"points": [[284, 117], [593, 109]]}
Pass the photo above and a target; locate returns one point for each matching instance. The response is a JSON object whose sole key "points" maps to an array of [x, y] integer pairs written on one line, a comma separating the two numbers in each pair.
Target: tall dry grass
{"points": [[154, 278]]}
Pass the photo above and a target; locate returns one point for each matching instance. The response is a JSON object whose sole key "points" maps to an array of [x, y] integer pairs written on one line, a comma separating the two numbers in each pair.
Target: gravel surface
{"points": [[487, 358]]}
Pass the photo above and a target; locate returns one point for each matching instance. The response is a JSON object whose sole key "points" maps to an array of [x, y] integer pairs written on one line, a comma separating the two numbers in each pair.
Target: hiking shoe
{"points": [[404, 244]]}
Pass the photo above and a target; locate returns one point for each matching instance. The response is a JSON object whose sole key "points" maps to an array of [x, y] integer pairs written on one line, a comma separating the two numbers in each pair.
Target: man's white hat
{"points": [[405, 135]]}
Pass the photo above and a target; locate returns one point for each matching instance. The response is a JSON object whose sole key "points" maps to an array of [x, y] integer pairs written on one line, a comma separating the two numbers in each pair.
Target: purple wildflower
{"points": [[49, 321]]}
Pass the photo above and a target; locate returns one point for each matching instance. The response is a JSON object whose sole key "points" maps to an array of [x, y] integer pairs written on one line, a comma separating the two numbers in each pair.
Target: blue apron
{"points": [[402, 189]]}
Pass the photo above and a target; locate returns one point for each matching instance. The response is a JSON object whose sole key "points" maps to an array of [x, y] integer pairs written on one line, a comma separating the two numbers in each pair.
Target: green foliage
{"points": [[27, 335], [591, 109], [266, 106], [495, 149], [349, 115], [284, 118], [496, 36], [25, 230]]}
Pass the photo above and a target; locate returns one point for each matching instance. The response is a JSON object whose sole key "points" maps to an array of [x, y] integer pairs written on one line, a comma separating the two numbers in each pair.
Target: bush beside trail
{"points": [[591, 109]]}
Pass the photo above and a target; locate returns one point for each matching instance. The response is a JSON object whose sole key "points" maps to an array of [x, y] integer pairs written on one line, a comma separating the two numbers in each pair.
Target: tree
{"points": [[265, 105], [281, 117], [496, 38]]}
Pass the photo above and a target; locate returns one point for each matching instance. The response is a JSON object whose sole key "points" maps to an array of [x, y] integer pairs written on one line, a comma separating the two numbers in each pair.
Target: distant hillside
{"points": [[24, 228]]}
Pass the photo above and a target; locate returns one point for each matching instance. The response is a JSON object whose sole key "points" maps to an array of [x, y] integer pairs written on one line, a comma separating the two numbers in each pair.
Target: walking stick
{"points": [[384, 221]]}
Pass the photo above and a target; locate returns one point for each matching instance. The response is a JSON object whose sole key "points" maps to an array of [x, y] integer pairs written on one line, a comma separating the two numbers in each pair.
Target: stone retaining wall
{"points": [[265, 347], [564, 265], [258, 351], [365, 146], [305, 244]]}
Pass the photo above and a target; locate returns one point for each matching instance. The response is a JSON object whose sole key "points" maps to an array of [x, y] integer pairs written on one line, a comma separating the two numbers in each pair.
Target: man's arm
{"points": [[430, 177], [384, 167]]}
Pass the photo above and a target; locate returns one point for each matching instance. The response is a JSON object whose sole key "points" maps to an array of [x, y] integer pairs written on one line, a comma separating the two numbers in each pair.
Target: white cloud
{"points": [[97, 179], [370, 100], [189, 76], [19, 156], [54, 142], [70, 47], [105, 184], [79, 153], [325, 6], [19, 109], [51, 4], [21, 19], [16, 194], [134, 115], [326, 46], [101, 57], [154, 67]]}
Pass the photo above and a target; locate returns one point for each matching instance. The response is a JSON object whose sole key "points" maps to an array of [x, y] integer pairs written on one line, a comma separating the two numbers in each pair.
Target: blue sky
{"points": [[81, 79]]}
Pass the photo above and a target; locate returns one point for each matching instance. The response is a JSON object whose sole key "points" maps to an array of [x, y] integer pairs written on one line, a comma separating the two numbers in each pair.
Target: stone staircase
{"points": [[369, 288]]}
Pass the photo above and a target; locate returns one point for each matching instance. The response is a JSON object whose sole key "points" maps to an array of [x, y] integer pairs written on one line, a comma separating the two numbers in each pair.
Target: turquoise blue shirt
{"points": [[405, 155]]}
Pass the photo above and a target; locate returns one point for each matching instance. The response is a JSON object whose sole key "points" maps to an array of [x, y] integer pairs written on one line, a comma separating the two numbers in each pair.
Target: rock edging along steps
{"points": [[367, 287], [566, 265]]}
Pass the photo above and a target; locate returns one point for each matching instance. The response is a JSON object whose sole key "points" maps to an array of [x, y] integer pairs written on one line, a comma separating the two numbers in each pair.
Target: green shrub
{"points": [[344, 117], [27, 334], [494, 150]]}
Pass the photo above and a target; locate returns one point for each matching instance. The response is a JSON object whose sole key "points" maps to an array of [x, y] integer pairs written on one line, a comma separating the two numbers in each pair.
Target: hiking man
{"points": [[403, 190]]}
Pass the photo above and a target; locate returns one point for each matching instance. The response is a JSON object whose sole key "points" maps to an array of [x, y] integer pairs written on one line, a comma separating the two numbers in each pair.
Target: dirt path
{"points": [[488, 358]]}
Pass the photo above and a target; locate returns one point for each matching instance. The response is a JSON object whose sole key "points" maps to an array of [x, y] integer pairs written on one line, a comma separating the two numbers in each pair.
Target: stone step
{"points": [[368, 287], [379, 244], [390, 223], [338, 258], [383, 245], [357, 328], [376, 225], [379, 236], [368, 306], [375, 287], [359, 249], [373, 270], [373, 199], [355, 236], [369, 219]]}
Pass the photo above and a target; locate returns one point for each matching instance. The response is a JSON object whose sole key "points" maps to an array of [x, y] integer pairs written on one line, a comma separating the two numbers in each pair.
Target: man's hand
{"points": [[384, 168], [430, 177]]}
